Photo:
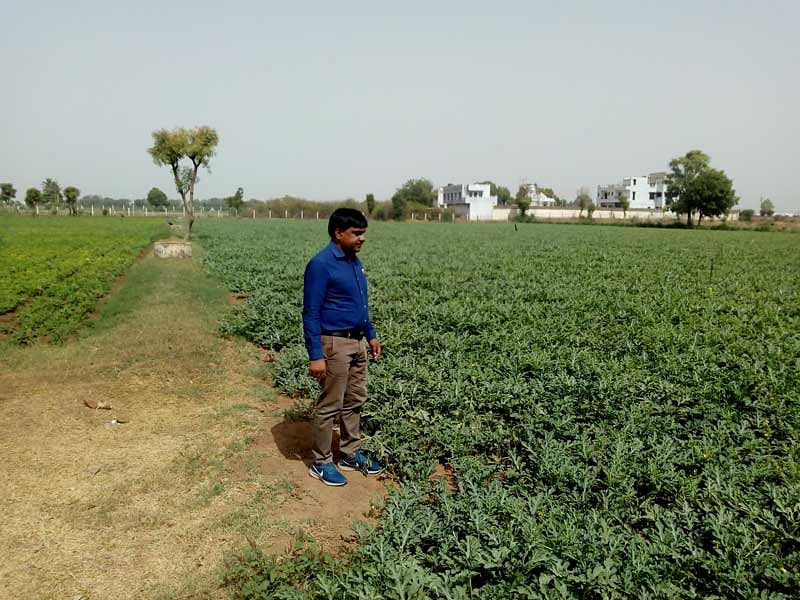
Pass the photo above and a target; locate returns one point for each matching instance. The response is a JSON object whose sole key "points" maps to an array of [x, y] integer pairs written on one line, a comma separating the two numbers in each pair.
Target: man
{"points": [[335, 323]]}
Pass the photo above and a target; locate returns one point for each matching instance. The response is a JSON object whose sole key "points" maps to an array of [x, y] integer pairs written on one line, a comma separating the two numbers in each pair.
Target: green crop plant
{"points": [[621, 407], [55, 270]]}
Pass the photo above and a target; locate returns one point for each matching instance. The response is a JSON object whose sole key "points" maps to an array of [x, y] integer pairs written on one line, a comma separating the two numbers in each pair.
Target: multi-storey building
{"points": [[473, 201], [643, 191]]}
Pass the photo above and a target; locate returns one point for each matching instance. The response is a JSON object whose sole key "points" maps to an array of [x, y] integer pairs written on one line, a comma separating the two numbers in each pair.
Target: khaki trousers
{"points": [[343, 393]]}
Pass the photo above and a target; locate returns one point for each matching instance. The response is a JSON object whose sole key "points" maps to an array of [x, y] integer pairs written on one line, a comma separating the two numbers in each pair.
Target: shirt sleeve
{"points": [[315, 281], [371, 335]]}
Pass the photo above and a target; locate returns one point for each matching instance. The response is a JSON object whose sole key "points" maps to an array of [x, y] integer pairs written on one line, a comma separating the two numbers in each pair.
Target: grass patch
{"points": [[150, 493]]}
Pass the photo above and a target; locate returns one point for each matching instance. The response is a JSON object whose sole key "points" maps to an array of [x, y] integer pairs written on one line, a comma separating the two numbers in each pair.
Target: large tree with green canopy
{"points": [[196, 145], [33, 197], [7, 193], [71, 194], [693, 186], [413, 191]]}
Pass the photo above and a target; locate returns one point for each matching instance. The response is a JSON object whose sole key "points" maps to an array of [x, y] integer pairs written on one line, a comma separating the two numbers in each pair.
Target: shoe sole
{"points": [[344, 467], [318, 476]]}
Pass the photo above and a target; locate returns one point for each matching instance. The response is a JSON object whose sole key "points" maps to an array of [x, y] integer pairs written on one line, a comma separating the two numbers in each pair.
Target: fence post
{"points": [[317, 215], [301, 215], [254, 213], [286, 214], [440, 217], [270, 213]]}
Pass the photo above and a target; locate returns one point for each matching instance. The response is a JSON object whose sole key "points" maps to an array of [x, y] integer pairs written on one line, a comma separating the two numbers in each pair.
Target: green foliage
{"points": [[502, 193], [712, 193], [255, 575], [746, 215], [55, 270], [71, 194], [766, 208], [235, 202], [583, 201], [550, 194], [51, 193], [414, 192], [370, 200], [7, 193], [624, 424], [693, 186], [523, 198], [33, 197], [624, 203], [294, 207], [156, 198], [198, 146]]}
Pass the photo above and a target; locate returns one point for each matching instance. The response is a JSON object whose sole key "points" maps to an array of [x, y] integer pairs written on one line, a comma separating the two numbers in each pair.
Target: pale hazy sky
{"points": [[333, 99]]}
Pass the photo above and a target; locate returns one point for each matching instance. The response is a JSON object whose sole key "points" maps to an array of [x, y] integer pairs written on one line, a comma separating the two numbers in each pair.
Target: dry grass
{"points": [[147, 508]]}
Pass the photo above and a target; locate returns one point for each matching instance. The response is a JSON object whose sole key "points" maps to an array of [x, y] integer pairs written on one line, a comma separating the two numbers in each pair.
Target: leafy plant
{"points": [[620, 406]]}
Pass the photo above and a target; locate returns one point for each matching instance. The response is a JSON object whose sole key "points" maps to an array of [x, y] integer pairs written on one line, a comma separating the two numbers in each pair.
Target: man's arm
{"points": [[315, 282], [372, 338]]}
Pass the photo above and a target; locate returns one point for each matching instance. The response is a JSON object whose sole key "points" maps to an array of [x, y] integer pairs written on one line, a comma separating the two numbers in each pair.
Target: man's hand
{"points": [[317, 369], [375, 348]]}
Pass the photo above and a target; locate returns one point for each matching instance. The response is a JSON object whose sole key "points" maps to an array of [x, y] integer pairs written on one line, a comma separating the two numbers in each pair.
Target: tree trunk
{"points": [[689, 218], [190, 207]]}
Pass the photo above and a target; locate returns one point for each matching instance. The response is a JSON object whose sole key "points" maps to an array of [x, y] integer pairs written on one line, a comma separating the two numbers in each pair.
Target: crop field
{"points": [[55, 269], [619, 408]]}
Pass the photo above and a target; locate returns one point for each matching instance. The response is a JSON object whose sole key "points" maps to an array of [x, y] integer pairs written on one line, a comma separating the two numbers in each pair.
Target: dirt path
{"points": [[149, 507]]}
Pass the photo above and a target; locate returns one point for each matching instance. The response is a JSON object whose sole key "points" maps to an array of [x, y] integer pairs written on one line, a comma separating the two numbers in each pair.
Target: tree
{"points": [[746, 215], [712, 194], [583, 200], [767, 208], [590, 209], [370, 203], [7, 193], [71, 194], [523, 198], [502, 193], [33, 197], [51, 193], [624, 203], [198, 146], [693, 186], [156, 198], [413, 191], [235, 202]]}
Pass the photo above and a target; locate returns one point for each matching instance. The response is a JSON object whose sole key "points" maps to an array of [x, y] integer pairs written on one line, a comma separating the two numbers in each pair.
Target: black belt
{"points": [[353, 334]]}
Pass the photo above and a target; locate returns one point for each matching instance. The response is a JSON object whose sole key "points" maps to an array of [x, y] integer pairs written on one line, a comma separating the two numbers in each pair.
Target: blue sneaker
{"points": [[327, 473], [360, 462]]}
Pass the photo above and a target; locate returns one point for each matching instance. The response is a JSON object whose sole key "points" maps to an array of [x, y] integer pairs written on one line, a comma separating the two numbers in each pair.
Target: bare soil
{"points": [[204, 462]]}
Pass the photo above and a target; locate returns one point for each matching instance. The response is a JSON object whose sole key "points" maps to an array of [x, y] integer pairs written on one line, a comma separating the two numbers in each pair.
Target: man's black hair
{"points": [[345, 218]]}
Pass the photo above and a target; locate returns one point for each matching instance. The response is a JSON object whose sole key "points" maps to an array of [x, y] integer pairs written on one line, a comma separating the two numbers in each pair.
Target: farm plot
{"points": [[55, 269], [621, 408]]}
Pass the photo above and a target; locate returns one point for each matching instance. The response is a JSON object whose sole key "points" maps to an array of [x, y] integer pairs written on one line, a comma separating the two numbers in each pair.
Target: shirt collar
{"points": [[337, 252]]}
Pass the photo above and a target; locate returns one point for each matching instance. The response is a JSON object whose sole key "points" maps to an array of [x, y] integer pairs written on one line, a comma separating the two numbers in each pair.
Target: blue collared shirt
{"points": [[334, 297]]}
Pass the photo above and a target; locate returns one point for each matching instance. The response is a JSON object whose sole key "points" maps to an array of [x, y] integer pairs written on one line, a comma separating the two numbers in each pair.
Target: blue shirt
{"points": [[334, 297]]}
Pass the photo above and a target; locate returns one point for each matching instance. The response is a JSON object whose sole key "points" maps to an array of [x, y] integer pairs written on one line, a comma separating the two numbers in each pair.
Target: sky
{"points": [[328, 100]]}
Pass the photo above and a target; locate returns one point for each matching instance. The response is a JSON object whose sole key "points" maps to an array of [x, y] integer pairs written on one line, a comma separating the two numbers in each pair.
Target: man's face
{"points": [[351, 238]]}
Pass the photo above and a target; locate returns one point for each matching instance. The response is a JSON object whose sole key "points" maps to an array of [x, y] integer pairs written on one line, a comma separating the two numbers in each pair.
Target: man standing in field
{"points": [[335, 323]]}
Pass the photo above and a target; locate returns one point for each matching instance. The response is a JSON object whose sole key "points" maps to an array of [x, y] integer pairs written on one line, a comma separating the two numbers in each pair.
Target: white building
{"points": [[473, 202], [537, 197], [643, 191]]}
